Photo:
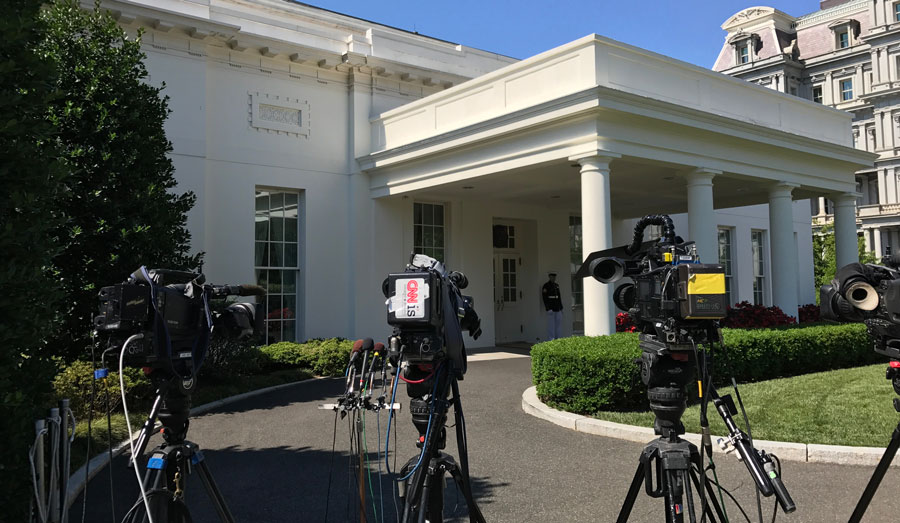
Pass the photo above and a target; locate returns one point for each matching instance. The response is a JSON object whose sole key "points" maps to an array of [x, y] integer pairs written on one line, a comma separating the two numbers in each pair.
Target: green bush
{"points": [[588, 374], [74, 382], [228, 359], [326, 357]]}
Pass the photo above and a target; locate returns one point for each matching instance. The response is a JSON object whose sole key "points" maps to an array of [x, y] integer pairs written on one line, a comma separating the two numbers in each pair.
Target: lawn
{"points": [[840, 407]]}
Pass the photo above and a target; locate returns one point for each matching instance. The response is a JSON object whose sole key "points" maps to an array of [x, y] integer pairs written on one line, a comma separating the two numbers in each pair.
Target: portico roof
{"points": [[513, 133]]}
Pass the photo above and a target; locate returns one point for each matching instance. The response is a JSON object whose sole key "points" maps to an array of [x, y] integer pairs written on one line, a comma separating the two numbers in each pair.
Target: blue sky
{"points": [[688, 30]]}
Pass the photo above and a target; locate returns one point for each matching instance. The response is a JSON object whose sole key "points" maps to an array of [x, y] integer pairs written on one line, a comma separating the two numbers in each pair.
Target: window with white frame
{"points": [[276, 262], [758, 245], [843, 39], [726, 259], [817, 94], [428, 230], [846, 89], [897, 11], [743, 52]]}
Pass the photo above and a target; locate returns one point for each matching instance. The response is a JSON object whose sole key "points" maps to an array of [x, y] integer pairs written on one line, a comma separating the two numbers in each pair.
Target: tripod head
{"points": [[666, 371]]}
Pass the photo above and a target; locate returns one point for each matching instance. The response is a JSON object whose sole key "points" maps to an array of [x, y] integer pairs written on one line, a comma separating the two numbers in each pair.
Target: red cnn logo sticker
{"points": [[412, 292]]}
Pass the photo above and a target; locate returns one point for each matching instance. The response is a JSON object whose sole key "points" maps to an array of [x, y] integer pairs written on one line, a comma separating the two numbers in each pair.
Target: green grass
{"points": [[840, 407], [207, 392]]}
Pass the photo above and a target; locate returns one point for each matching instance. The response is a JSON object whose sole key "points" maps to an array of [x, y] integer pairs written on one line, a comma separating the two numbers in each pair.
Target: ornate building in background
{"points": [[847, 56]]}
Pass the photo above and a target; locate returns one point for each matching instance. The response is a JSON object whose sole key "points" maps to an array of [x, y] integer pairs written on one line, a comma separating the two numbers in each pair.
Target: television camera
{"points": [[676, 303], [870, 294]]}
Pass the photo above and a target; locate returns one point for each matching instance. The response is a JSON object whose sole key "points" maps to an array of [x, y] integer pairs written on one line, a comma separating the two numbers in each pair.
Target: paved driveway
{"points": [[271, 456]]}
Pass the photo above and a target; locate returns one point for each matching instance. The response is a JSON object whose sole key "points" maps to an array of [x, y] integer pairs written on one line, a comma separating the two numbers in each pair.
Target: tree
{"points": [[120, 209], [31, 179], [824, 256]]}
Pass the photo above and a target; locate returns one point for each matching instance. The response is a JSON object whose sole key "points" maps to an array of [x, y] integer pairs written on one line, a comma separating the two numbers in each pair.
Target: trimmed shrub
{"points": [[326, 357], [588, 374], [74, 382], [228, 359]]}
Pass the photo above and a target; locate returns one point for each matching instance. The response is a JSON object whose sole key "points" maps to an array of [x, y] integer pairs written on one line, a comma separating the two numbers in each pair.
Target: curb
{"points": [[809, 453], [77, 480]]}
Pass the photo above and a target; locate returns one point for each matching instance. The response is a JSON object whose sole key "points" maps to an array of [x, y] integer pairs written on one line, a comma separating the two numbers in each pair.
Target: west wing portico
{"points": [[610, 132]]}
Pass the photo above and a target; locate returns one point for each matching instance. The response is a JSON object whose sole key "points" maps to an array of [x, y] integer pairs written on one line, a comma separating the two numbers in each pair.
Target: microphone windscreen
{"points": [[357, 345], [368, 344], [379, 347]]}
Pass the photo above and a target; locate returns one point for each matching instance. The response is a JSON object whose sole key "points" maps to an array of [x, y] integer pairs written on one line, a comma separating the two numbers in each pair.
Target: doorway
{"points": [[508, 280]]}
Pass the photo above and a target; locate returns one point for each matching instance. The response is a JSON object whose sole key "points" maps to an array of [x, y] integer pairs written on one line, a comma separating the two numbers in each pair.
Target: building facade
{"points": [[323, 149], [847, 56]]}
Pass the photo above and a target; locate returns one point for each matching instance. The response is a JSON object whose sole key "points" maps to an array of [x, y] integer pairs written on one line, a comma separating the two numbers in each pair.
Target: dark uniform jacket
{"points": [[552, 298]]}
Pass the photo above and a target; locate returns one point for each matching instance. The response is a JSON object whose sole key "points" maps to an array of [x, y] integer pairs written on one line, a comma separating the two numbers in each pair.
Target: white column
{"points": [[701, 214], [867, 236], [784, 248], [596, 229], [845, 239], [882, 186], [821, 206], [876, 244]]}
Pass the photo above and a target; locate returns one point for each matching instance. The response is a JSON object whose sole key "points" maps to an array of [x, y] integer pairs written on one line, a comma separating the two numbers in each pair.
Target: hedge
{"points": [[326, 357], [589, 374]]}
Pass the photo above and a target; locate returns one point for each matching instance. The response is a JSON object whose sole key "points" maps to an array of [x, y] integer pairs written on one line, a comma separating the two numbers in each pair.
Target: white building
{"points": [[324, 149]]}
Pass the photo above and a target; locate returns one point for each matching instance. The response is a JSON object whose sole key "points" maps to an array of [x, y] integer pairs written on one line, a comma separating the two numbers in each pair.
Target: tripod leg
{"points": [[686, 481], [674, 490], [877, 476], [711, 497], [633, 490], [425, 500], [214, 494], [475, 515]]}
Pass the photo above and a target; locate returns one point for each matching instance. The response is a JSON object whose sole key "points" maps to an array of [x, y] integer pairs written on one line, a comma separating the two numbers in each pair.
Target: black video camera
{"points": [[870, 294], [674, 297], [428, 313], [168, 314]]}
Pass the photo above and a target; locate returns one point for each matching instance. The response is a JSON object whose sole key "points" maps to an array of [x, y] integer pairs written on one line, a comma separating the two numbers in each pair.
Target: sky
{"points": [[688, 30]]}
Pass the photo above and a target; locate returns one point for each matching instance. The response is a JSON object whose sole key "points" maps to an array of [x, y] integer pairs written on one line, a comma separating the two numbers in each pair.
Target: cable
{"points": [[738, 505], [428, 428], [750, 437], [134, 458], [87, 458], [390, 418], [109, 437], [368, 468], [42, 511], [378, 459]]}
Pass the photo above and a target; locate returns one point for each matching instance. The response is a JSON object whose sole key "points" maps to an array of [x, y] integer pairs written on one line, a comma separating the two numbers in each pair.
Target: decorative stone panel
{"points": [[279, 114]]}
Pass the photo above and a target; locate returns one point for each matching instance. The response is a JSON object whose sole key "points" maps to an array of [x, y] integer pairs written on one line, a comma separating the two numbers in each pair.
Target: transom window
{"points": [[757, 240], [846, 90], [504, 236], [276, 260], [428, 230], [817, 94], [725, 259]]}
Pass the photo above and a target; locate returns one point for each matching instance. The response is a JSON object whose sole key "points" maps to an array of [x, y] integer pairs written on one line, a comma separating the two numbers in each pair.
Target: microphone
{"points": [[367, 345], [354, 352], [741, 442]]}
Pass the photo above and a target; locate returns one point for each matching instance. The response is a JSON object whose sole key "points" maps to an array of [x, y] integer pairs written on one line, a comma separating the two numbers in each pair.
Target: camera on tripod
{"points": [[673, 296], [171, 310], [428, 313], [870, 294]]}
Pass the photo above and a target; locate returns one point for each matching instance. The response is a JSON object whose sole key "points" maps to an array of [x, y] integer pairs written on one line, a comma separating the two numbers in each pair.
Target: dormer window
{"points": [[817, 94], [745, 46], [845, 33]]}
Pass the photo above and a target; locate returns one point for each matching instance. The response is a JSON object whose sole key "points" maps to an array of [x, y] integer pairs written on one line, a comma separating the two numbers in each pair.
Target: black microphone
{"points": [[367, 345], [741, 442]]}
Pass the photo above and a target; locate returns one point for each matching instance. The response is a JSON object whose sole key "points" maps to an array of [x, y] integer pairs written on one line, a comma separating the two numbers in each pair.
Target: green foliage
{"points": [[586, 375], [120, 210], [74, 382], [326, 357], [31, 180], [824, 256], [228, 359]]}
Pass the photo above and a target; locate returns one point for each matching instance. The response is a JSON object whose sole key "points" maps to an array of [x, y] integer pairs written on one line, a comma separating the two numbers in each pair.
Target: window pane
{"points": [[274, 282], [290, 254], [261, 278], [438, 254], [274, 306], [438, 236], [428, 236], [290, 203], [290, 229], [277, 231], [417, 213], [438, 214], [262, 201], [289, 331], [276, 254], [289, 279], [277, 204], [262, 254], [427, 214], [417, 240], [262, 228], [289, 302]]}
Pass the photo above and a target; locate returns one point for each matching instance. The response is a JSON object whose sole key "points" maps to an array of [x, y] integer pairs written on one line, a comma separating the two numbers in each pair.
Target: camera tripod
{"points": [[893, 374], [172, 463], [423, 492]]}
